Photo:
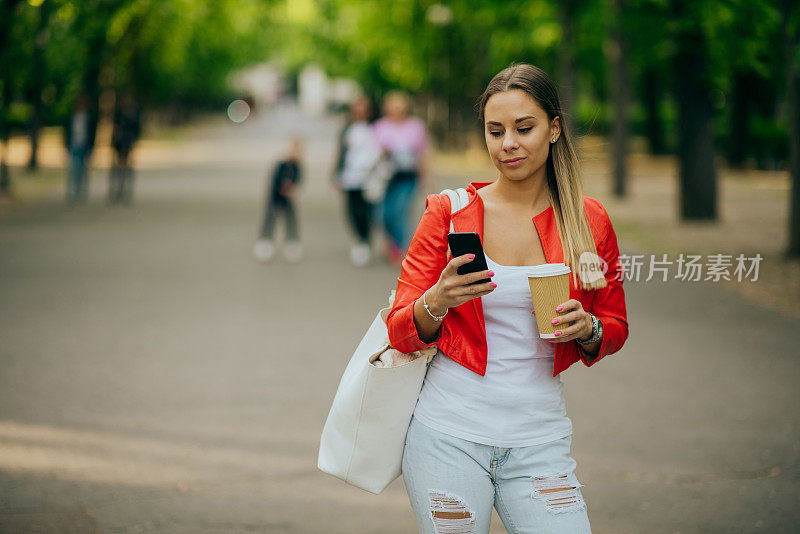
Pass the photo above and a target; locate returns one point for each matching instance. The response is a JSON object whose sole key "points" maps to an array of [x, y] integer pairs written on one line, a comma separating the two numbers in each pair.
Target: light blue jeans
{"points": [[453, 484], [396, 203]]}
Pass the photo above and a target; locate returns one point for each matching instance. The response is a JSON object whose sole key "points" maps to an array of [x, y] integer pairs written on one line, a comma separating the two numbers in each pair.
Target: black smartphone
{"points": [[468, 243]]}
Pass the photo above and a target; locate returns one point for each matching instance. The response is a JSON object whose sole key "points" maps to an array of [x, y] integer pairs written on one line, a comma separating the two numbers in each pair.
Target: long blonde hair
{"points": [[564, 181]]}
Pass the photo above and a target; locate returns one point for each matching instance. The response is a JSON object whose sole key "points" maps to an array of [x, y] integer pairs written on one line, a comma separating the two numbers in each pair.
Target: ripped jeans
{"points": [[453, 484]]}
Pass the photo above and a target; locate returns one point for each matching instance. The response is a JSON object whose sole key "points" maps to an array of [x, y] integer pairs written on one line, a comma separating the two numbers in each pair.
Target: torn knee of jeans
{"points": [[450, 514], [559, 492]]}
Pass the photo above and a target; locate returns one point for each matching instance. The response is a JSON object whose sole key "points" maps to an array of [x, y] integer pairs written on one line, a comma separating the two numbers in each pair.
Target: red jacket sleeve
{"points": [[421, 268], [609, 302]]}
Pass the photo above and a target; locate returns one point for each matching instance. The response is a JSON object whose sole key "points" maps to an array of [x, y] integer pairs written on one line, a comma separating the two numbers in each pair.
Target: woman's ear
{"points": [[555, 128]]}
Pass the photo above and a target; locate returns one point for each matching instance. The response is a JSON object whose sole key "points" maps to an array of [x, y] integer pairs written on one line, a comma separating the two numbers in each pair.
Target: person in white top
{"points": [[358, 156]]}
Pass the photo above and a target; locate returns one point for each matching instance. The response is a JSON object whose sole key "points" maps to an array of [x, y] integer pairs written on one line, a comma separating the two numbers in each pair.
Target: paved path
{"points": [[154, 378]]}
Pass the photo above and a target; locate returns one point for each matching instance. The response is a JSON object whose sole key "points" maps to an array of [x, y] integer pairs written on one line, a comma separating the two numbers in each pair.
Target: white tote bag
{"points": [[364, 436], [377, 179]]}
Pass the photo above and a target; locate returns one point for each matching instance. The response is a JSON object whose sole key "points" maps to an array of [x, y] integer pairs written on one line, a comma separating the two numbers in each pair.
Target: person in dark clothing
{"points": [[79, 136], [279, 201], [127, 126]]}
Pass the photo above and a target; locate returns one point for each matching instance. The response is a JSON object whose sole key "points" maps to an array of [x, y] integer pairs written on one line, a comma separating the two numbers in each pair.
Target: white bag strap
{"points": [[458, 199]]}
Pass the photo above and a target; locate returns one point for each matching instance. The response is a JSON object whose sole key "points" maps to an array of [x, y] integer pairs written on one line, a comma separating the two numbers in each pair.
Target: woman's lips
{"points": [[514, 162]]}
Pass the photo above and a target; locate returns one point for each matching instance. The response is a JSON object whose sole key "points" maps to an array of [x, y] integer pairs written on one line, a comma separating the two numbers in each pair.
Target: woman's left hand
{"points": [[575, 324]]}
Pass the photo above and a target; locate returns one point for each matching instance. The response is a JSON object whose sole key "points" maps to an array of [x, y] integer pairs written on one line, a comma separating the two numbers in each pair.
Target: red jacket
{"points": [[462, 335]]}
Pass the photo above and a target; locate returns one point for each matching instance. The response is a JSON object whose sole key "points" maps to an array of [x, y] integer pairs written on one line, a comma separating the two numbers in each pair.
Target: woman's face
{"points": [[396, 108], [518, 134], [359, 109]]}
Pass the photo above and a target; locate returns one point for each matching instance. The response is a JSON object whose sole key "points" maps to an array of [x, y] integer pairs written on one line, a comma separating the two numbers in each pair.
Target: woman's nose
{"points": [[510, 143]]}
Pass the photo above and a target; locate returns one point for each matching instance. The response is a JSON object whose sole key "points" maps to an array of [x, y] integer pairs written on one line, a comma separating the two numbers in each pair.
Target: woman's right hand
{"points": [[453, 289]]}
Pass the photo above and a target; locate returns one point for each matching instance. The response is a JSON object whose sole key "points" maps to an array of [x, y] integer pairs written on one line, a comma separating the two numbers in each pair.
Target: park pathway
{"points": [[155, 378]]}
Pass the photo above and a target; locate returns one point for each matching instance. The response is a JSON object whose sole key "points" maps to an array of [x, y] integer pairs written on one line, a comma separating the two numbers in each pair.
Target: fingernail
{"points": [[494, 285], [472, 256], [558, 309], [555, 321], [558, 332], [491, 273]]}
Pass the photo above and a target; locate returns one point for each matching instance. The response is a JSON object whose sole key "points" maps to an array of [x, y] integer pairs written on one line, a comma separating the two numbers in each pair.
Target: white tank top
{"points": [[518, 402]]}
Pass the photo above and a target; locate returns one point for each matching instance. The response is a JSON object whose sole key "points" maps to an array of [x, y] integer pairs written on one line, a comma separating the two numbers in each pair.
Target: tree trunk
{"points": [[698, 175], [651, 99], [621, 92], [5, 99], [739, 120], [566, 63], [37, 81], [794, 166], [92, 82], [792, 59], [7, 8]]}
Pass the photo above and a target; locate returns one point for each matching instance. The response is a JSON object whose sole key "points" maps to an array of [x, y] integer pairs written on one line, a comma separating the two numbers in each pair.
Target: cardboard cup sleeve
{"points": [[549, 287]]}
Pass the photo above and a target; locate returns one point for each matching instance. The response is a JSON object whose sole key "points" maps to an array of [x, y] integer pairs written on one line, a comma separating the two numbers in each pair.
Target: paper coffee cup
{"points": [[549, 287]]}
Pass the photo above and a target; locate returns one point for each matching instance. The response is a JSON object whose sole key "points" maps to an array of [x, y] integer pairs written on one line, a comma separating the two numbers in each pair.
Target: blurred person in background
{"points": [[79, 136], [404, 141], [358, 157], [127, 126], [279, 202]]}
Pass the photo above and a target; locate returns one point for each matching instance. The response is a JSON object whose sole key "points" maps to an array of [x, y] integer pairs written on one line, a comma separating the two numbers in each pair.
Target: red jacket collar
{"points": [[470, 219]]}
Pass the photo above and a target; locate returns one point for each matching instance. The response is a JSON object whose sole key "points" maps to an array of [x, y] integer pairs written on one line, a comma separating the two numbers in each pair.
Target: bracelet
{"points": [[436, 318]]}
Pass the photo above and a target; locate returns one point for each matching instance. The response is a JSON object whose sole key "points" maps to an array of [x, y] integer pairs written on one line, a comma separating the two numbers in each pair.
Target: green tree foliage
{"points": [[166, 52], [444, 52], [177, 54], [171, 54], [182, 51]]}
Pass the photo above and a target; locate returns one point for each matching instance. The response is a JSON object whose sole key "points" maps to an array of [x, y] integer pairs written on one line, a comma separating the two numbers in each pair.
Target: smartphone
{"points": [[468, 243]]}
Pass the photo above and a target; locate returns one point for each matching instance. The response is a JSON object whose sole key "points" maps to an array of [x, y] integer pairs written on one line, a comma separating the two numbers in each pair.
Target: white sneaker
{"points": [[360, 255], [293, 251], [263, 250]]}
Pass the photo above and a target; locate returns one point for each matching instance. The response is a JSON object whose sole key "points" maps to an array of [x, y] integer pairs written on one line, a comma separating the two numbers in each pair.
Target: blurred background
{"points": [[163, 369]]}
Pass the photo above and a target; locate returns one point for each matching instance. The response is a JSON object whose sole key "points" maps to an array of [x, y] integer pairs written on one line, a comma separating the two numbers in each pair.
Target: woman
{"points": [[404, 140], [358, 156], [490, 427]]}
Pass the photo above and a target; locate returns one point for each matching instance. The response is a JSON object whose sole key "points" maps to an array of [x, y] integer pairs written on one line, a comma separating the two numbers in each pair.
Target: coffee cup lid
{"points": [[548, 269]]}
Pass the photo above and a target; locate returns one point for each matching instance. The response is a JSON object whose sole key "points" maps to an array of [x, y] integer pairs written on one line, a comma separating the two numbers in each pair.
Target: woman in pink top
{"points": [[404, 141]]}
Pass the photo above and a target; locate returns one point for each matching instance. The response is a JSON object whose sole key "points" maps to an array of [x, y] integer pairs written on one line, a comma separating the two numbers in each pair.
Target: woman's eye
{"points": [[496, 133], [525, 130]]}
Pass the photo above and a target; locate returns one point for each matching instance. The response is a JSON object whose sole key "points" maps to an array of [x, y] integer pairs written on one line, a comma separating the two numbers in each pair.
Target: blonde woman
{"points": [[404, 142], [490, 428]]}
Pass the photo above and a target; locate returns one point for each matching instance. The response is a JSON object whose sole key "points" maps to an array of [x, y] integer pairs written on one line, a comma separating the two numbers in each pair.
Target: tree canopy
{"points": [[178, 54]]}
